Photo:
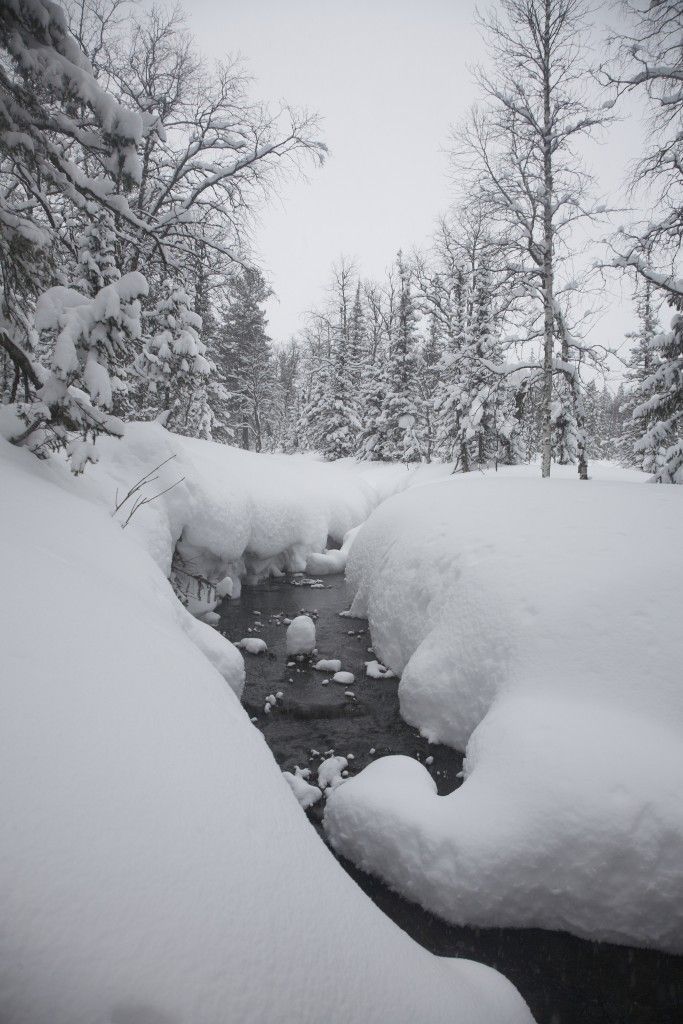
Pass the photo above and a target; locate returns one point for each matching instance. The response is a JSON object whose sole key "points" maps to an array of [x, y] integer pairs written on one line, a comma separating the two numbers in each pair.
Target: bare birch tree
{"points": [[650, 63], [519, 154]]}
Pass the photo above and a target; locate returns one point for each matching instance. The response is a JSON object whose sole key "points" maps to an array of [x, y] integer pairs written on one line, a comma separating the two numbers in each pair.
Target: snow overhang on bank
{"points": [[234, 513]]}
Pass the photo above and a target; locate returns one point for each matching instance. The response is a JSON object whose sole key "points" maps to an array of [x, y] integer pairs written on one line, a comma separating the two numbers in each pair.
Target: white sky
{"points": [[389, 78]]}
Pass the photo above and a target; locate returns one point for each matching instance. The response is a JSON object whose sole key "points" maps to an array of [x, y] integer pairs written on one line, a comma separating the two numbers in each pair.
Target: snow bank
{"points": [[145, 873], [537, 626], [237, 514]]}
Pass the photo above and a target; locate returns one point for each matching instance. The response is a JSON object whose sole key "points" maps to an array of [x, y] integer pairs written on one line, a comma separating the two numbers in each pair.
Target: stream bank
{"points": [[565, 980]]}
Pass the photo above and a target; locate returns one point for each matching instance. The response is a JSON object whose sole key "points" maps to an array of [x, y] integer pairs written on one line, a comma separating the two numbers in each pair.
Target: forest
{"points": [[133, 170]]}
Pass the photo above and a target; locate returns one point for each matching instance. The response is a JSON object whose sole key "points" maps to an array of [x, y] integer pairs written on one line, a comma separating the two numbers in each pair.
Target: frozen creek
{"points": [[564, 980]]}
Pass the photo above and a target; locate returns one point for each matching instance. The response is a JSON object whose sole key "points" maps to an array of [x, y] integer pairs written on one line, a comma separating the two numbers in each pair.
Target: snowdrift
{"points": [[537, 626], [155, 866]]}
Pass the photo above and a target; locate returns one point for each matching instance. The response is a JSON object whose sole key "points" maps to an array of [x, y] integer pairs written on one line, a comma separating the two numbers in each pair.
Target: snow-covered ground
{"points": [[155, 865], [537, 626]]}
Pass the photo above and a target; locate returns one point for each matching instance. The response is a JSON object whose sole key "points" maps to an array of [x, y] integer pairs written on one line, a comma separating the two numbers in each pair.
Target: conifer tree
{"points": [[173, 364], [244, 364], [314, 405], [428, 376], [83, 338], [639, 370], [400, 407], [662, 407]]}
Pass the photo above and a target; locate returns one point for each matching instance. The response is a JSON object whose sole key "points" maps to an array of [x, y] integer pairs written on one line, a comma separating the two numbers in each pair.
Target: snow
{"points": [[330, 773], [301, 635], [252, 645], [328, 665], [225, 587], [306, 794], [332, 561], [375, 670], [536, 626], [139, 877], [345, 678]]}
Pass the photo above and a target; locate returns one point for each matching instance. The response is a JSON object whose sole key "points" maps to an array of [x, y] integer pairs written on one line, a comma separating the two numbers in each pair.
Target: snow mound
{"points": [[536, 626], [301, 635], [139, 879]]}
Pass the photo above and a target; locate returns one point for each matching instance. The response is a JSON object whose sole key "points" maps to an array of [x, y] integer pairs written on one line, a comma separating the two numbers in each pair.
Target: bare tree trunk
{"points": [[464, 458], [548, 297]]}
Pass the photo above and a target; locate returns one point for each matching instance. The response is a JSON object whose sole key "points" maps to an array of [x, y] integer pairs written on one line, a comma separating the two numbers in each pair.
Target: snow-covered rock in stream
{"points": [[536, 625], [153, 860], [306, 794], [375, 670], [252, 645], [301, 635], [328, 665], [330, 772], [345, 678]]}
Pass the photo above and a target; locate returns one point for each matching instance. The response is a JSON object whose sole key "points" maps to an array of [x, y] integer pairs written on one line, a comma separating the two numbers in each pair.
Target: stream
{"points": [[564, 980]]}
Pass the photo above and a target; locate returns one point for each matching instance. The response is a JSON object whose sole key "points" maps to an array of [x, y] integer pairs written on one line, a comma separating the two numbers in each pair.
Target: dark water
{"points": [[564, 980]]}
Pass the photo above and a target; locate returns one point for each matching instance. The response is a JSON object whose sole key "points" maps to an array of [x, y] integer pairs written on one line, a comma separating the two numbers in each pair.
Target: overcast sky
{"points": [[388, 77]]}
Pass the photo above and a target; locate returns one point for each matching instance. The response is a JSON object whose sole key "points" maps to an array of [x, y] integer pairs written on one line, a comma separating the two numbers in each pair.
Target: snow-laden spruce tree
{"points": [[404, 441], [344, 328], [288, 369], [662, 407], [484, 411], [448, 299], [357, 347], [244, 362], [96, 264], [428, 377], [374, 444], [475, 399], [341, 425], [311, 425], [83, 337], [96, 267], [340, 437], [640, 367], [173, 363], [595, 421]]}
